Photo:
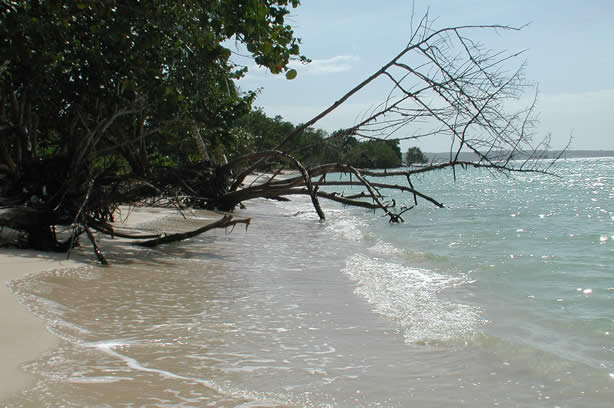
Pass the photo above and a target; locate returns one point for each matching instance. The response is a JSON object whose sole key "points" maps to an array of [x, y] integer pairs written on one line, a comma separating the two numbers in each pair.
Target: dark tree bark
{"points": [[224, 222]]}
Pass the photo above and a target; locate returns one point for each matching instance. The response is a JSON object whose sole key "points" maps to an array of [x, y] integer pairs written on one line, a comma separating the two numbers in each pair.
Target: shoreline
{"points": [[24, 336]]}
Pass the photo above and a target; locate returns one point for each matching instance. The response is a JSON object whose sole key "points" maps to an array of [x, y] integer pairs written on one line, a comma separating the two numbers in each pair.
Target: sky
{"points": [[569, 53]]}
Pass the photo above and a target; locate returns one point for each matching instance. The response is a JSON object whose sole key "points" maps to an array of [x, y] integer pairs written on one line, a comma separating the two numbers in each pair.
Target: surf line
{"points": [[108, 348]]}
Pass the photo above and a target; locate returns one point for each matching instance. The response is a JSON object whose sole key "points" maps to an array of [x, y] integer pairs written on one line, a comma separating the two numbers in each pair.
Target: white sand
{"points": [[24, 337]]}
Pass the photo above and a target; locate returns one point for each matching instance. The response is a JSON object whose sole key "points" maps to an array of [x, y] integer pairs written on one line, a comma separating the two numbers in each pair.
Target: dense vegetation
{"points": [[121, 88], [315, 146], [130, 79]]}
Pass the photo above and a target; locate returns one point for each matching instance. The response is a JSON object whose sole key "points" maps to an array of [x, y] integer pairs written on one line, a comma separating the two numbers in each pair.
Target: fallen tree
{"points": [[453, 89], [441, 85]]}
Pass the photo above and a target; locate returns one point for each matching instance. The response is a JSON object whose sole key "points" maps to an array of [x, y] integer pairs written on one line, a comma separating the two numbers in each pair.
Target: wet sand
{"points": [[23, 336]]}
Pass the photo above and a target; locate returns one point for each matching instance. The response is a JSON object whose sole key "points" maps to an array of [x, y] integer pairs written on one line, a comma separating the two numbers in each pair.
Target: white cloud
{"points": [[340, 63]]}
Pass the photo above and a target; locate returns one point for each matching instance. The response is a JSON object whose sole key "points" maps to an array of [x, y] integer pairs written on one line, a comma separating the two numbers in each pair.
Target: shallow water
{"points": [[504, 298]]}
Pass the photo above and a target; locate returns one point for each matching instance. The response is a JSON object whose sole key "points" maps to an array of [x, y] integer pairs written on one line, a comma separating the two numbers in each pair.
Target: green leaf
{"points": [[291, 74]]}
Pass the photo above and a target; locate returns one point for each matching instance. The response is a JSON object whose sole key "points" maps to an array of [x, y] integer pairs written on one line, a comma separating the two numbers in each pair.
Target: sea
{"points": [[503, 298]]}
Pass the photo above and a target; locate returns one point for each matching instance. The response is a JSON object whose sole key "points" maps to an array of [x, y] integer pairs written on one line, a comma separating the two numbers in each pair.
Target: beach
{"points": [[24, 336], [503, 298]]}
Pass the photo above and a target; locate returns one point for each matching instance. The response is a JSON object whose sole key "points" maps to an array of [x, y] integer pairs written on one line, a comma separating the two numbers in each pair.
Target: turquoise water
{"points": [[540, 250], [521, 267], [503, 298]]}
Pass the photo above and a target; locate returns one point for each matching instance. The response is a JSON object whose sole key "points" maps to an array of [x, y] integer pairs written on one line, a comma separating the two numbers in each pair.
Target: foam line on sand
{"points": [[23, 336]]}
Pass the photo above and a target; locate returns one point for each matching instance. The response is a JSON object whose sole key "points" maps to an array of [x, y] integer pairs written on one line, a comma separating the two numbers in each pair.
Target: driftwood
{"points": [[21, 217], [225, 221], [97, 251], [113, 233], [303, 185]]}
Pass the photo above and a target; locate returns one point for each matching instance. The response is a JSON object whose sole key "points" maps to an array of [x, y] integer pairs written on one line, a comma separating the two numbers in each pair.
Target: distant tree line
{"points": [[257, 131], [415, 156]]}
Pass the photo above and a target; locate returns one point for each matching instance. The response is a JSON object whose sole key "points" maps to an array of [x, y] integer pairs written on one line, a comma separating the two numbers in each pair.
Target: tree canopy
{"points": [[108, 75], [415, 156]]}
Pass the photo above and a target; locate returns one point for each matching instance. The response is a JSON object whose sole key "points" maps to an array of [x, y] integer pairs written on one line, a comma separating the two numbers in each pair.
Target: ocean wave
{"points": [[413, 297], [338, 220]]}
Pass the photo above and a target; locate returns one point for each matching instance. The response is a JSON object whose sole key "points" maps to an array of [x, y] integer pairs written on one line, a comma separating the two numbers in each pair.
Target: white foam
{"points": [[349, 227], [338, 220], [98, 380], [410, 296], [110, 347], [385, 248], [413, 297]]}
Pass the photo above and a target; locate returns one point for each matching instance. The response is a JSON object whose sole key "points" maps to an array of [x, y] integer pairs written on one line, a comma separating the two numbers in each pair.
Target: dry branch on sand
{"points": [[224, 222]]}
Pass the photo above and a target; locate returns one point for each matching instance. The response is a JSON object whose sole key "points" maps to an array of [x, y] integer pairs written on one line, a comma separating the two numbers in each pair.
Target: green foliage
{"points": [[337, 147], [267, 132], [131, 76], [415, 156], [375, 154], [291, 74], [256, 131]]}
